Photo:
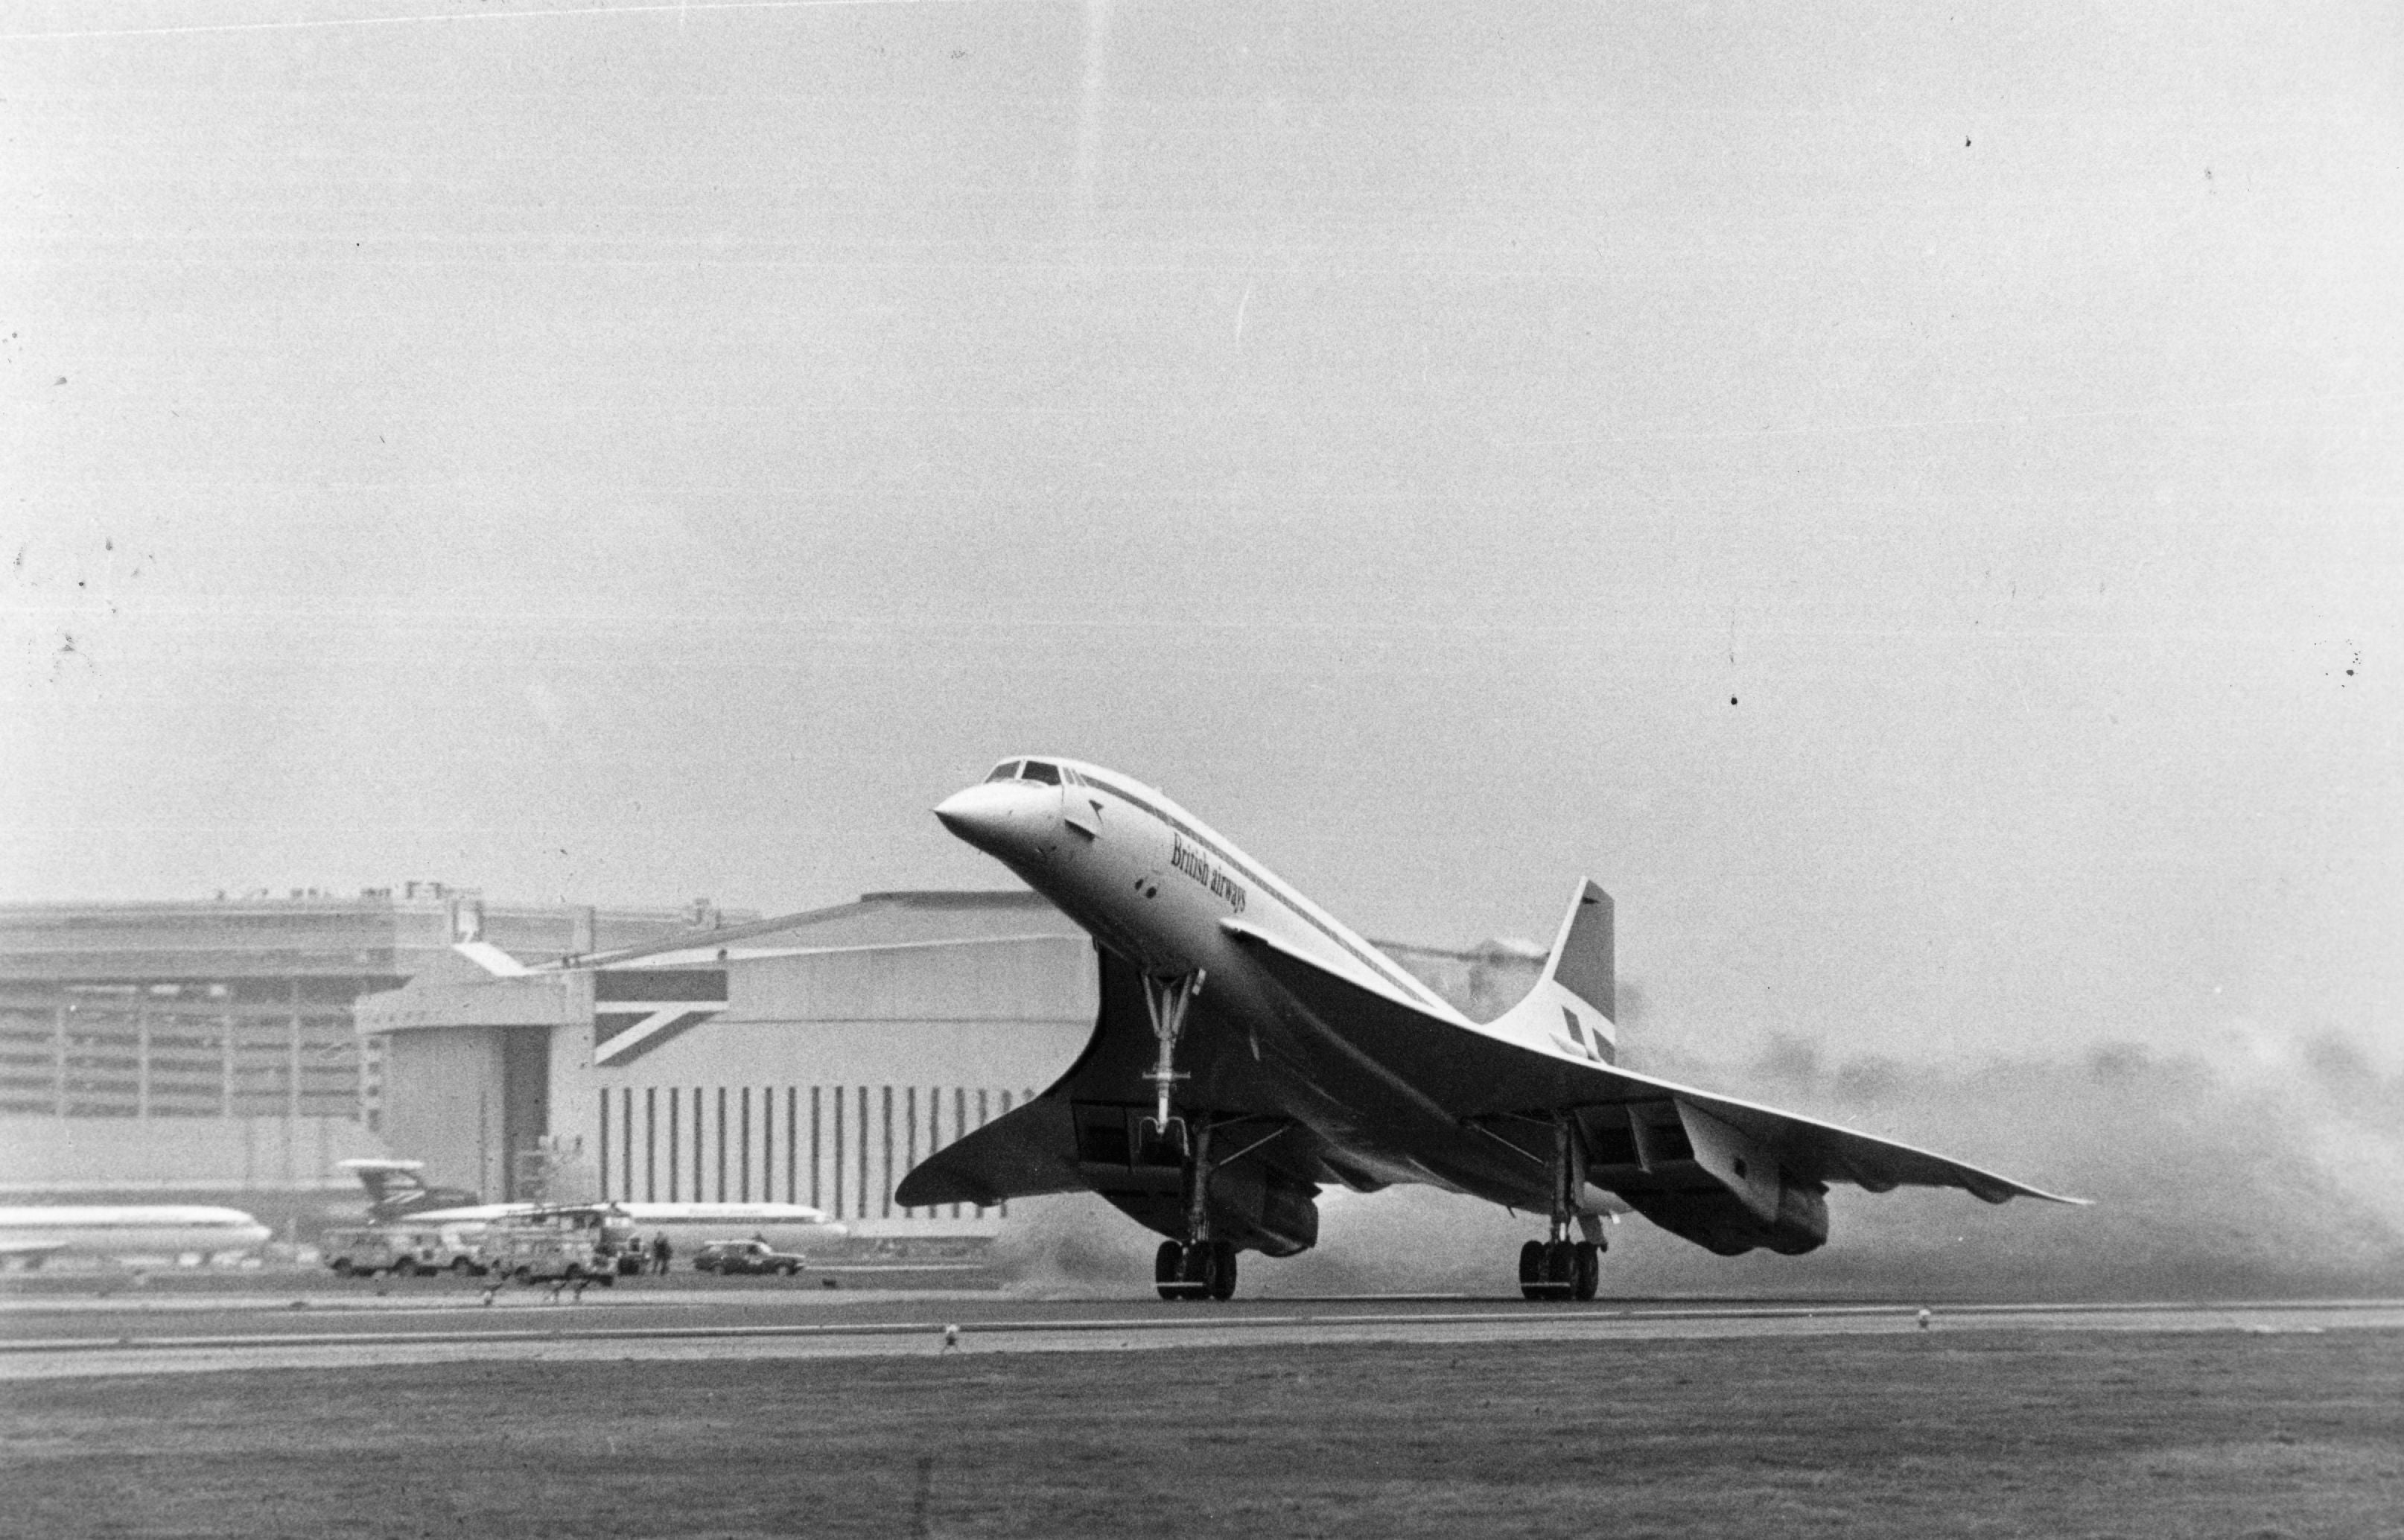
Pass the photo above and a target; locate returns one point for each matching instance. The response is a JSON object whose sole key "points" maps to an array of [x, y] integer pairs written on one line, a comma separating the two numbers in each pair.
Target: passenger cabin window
{"points": [[1006, 770], [1048, 774]]}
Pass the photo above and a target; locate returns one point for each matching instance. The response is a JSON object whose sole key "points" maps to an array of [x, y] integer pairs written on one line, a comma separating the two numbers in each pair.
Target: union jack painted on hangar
{"points": [[634, 1009]]}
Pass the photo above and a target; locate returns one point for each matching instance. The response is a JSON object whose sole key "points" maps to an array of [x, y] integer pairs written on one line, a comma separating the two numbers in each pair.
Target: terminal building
{"points": [[206, 1050]]}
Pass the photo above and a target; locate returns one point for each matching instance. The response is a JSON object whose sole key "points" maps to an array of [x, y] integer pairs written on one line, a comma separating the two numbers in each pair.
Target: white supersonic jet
{"points": [[1249, 1050]]}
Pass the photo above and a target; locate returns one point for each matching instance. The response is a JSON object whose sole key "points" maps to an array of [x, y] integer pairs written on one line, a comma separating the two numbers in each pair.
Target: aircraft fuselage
{"points": [[1165, 891]]}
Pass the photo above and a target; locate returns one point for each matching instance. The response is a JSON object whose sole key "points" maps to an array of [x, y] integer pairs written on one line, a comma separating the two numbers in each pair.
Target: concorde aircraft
{"points": [[1250, 1051]]}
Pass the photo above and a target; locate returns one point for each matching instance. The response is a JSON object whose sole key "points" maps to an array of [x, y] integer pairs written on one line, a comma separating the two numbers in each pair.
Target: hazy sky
{"points": [[1913, 504]]}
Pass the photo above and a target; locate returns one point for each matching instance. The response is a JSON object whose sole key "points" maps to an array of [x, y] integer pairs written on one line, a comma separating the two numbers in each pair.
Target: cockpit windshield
{"points": [[1006, 770], [1036, 770]]}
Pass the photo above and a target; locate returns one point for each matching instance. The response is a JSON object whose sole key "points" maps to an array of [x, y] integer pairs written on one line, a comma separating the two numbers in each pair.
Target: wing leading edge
{"points": [[1643, 1122], [1027, 1151]]}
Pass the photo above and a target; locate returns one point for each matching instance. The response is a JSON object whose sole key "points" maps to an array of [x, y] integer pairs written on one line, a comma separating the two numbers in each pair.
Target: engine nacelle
{"points": [[1749, 1201], [1254, 1206]]}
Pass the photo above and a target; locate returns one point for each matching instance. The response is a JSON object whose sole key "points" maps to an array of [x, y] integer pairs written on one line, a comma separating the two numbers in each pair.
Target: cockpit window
{"points": [[1036, 770], [1006, 770]]}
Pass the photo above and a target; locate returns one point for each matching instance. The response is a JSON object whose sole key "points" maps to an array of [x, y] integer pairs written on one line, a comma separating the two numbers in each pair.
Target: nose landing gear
{"points": [[1164, 1000]]}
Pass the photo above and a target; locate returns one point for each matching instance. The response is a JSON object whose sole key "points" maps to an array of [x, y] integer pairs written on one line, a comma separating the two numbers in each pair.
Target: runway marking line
{"points": [[1543, 1316]]}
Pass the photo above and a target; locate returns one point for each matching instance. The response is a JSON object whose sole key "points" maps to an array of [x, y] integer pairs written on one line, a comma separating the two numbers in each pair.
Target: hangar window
{"points": [[1006, 770], [1048, 774]]}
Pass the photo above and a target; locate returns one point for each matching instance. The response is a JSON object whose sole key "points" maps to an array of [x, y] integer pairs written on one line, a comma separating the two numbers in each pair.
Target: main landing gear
{"points": [[1200, 1266], [1204, 1269], [1557, 1267], [1561, 1268]]}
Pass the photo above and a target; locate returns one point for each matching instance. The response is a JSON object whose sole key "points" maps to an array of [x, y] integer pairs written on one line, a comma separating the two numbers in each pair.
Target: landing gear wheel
{"points": [[1204, 1270], [1223, 1269], [1548, 1269], [1589, 1270], [1560, 1270], [1197, 1271]]}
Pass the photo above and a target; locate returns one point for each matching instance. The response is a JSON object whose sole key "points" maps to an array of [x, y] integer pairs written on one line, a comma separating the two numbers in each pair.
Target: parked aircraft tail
{"points": [[1574, 1003], [395, 1188]]}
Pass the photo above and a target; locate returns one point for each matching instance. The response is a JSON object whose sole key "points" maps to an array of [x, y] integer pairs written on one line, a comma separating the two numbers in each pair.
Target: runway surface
{"points": [[314, 1325]]}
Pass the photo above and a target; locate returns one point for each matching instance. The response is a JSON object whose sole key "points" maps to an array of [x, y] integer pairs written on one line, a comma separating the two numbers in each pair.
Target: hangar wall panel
{"points": [[838, 1146], [443, 1087]]}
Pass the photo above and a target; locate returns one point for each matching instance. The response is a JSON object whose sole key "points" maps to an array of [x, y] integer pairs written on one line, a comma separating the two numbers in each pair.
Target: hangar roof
{"points": [[915, 917], [459, 993]]}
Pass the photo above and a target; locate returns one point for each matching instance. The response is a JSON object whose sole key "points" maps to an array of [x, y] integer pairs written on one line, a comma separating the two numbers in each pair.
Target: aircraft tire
{"points": [[1223, 1269], [1556, 1270], [1198, 1270], [1589, 1270], [1168, 1268]]}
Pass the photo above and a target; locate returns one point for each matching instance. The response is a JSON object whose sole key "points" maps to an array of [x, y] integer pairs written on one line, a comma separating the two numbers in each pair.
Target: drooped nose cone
{"points": [[993, 816]]}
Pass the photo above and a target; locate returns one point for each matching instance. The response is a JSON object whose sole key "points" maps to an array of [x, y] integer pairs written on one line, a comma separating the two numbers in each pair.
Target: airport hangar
{"points": [[810, 1059], [204, 1052]]}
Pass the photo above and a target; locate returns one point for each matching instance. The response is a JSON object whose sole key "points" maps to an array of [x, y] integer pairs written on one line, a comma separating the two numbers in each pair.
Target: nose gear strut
{"points": [[1166, 1000]]}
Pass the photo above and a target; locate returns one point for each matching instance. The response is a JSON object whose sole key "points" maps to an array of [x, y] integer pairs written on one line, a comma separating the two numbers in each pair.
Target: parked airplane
{"points": [[396, 1192], [131, 1232], [1249, 1050]]}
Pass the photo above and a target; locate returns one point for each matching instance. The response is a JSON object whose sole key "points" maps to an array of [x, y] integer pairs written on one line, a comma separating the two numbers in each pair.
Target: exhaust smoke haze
{"points": [[2245, 1167]]}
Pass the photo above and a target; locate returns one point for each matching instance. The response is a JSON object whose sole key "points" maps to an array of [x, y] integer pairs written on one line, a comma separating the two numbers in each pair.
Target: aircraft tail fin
{"points": [[1575, 1000], [396, 1188]]}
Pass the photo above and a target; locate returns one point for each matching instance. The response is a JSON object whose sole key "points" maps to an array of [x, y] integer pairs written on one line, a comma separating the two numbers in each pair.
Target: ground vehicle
{"points": [[564, 1245], [402, 1249], [745, 1256]]}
